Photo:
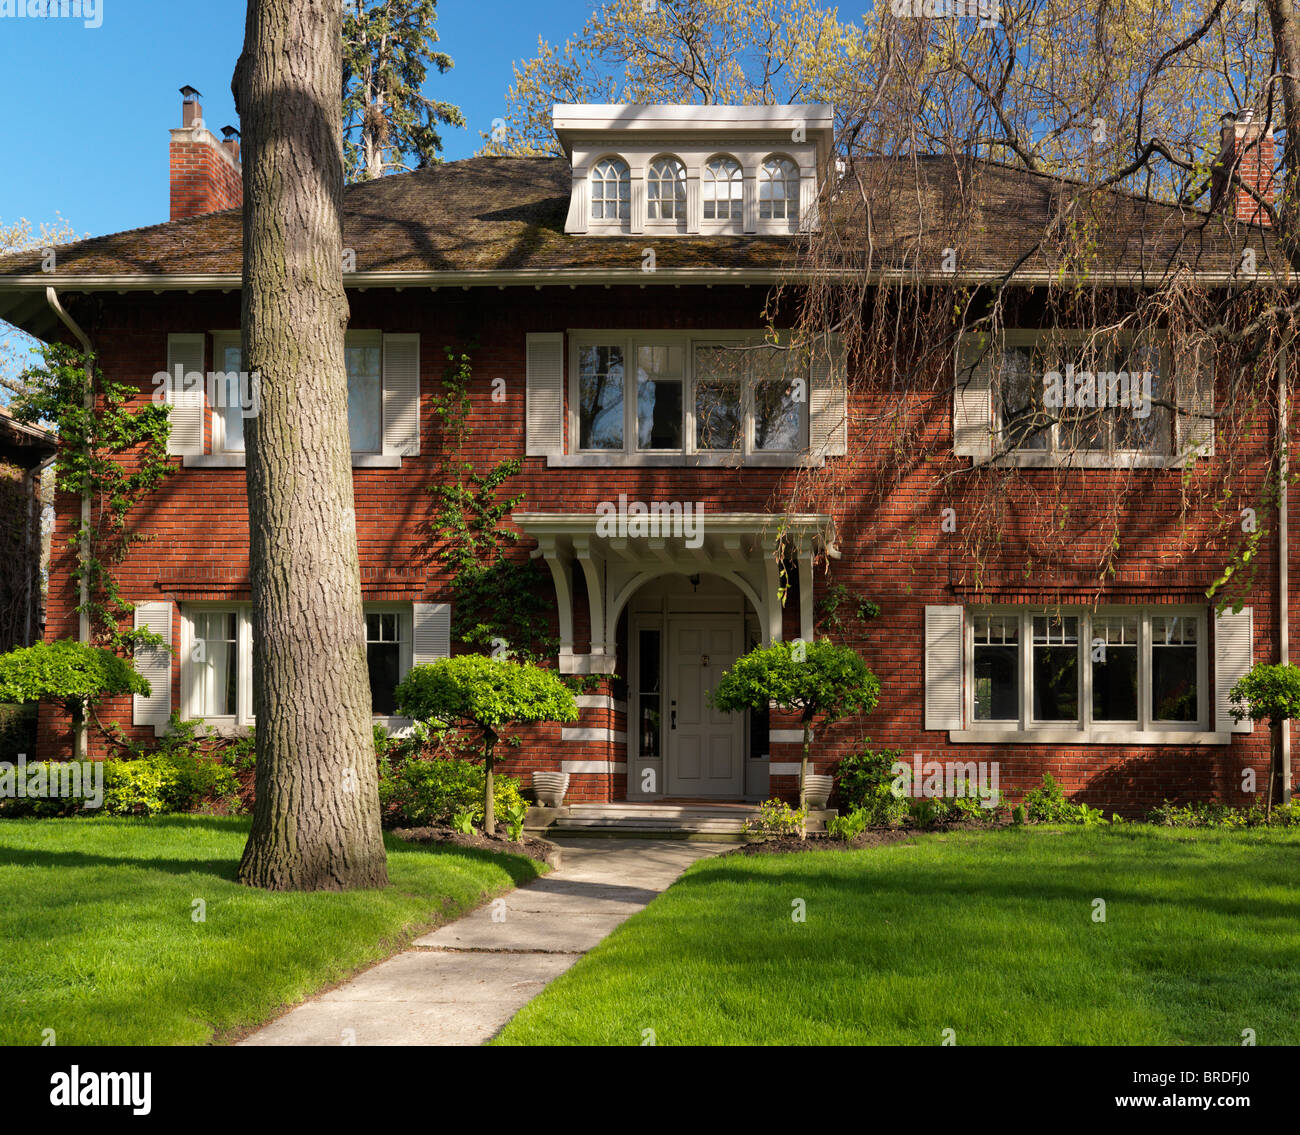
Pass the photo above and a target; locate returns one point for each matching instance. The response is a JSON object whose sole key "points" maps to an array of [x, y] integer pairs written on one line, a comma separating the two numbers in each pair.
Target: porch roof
{"points": [[617, 559]]}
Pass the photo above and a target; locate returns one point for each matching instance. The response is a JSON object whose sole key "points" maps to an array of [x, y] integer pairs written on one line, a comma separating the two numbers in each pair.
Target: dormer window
{"points": [[724, 190], [685, 170], [778, 190], [666, 190], [611, 191]]}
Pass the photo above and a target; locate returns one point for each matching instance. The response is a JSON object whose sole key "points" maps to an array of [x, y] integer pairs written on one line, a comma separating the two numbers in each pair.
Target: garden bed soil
{"points": [[531, 846], [871, 837]]}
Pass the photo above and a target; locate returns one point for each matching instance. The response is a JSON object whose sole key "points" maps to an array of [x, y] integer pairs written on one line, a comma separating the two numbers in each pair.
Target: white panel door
{"points": [[704, 751]]}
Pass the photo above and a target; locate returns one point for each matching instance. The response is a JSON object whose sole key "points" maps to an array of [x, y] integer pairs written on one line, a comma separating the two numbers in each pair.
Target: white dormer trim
{"points": [[637, 134]]}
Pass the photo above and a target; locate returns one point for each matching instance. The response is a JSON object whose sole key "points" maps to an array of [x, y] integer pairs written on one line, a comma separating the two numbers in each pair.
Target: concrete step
{"points": [[687, 821]]}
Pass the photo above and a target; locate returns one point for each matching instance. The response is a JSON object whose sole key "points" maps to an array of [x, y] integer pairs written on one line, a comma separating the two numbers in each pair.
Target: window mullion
{"points": [[1085, 672], [1026, 668], [1144, 670]]}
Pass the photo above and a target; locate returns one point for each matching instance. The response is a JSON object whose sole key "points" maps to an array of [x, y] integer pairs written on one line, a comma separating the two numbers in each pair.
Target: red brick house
{"points": [[659, 507]]}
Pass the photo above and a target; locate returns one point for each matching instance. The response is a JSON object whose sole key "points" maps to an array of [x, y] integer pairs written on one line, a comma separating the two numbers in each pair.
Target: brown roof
{"points": [[22, 444], [507, 215]]}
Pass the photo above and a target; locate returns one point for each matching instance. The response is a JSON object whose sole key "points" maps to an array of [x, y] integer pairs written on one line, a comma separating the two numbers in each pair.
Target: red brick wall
{"points": [[894, 552], [203, 178]]}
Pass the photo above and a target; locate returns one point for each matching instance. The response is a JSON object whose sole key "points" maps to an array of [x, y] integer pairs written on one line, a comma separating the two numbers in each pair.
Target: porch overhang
{"points": [[621, 548]]}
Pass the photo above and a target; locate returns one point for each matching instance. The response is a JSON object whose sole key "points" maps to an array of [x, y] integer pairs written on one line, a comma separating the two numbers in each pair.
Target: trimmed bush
{"points": [[419, 792]]}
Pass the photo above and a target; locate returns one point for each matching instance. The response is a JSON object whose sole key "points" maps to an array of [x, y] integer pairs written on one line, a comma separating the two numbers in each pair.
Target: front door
{"points": [[704, 756]]}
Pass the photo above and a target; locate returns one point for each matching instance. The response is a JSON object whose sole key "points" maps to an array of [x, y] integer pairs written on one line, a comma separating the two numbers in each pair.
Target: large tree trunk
{"points": [[316, 820]]}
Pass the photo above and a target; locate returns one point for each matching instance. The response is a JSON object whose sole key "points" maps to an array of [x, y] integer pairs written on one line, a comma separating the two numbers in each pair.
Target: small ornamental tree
{"points": [[1269, 693], [70, 674], [472, 691], [812, 679]]}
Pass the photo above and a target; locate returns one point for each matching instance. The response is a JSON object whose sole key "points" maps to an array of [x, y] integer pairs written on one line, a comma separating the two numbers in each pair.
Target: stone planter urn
{"points": [[817, 790], [550, 788]]}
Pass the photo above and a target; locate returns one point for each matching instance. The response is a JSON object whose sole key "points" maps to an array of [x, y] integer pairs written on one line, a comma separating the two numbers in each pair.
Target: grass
{"points": [[100, 944], [989, 934]]}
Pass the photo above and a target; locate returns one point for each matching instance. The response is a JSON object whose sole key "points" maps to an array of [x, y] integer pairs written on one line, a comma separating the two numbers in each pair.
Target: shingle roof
{"points": [[507, 215]]}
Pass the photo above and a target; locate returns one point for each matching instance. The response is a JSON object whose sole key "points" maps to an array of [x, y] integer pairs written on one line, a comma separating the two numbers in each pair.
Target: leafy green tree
{"points": [[70, 674], [1269, 692], [472, 691], [390, 125], [812, 679]]}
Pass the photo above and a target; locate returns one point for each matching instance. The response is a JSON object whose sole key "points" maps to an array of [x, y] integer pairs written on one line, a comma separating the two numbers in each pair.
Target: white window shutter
{"points": [[402, 395], [185, 394], [1194, 396], [544, 393], [1234, 638], [943, 667], [972, 399], [154, 665], [828, 403], [431, 633]]}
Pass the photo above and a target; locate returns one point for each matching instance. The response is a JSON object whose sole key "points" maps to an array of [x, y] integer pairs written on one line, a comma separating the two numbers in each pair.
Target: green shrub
{"points": [[145, 786], [1213, 814], [865, 783], [849, 826], [417, 792], [199, 779], [776, 818], [1048, 805]]}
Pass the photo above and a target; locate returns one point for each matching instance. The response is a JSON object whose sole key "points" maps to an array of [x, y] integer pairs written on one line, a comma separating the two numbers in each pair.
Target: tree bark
{"points": [[489, 787], [803, 778], [316, 818]]}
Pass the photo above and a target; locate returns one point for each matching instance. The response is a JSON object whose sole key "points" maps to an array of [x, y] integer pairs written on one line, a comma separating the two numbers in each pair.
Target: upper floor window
{"points": [[672, 393], [1064, 394], [723, 190], [778, 190], [611, 191], [666, 190]]}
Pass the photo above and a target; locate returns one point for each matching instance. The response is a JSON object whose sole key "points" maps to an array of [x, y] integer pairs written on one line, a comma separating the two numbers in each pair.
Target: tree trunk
{"points": [[489, 788], [316, 819], [1274, 765], [803, 779]]}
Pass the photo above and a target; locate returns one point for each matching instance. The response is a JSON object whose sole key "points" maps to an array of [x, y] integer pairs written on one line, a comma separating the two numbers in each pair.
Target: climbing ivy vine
{"points": [[110, 452], [498, 601]]}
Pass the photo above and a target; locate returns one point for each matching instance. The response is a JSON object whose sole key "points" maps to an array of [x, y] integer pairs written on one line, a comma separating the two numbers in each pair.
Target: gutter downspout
{"points": [[1283, 541], [83, 626]]}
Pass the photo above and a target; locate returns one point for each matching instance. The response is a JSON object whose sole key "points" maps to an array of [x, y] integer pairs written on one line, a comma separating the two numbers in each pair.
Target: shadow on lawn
{"points": [[520, 868], [1075, 877]]}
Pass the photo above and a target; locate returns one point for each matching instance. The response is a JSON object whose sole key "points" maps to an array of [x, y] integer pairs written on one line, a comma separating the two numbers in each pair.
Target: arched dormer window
{"points": [[611, 190], [666, 190], [778, 190], [723, 190]]}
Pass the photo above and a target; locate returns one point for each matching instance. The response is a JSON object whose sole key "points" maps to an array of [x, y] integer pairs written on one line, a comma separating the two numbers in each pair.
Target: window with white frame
{"points": [[1074, 392], [778, 190], [667, 392], [363, 352], [231, 399], [723, 185], [1130, 669], [216, 666], [611, 190], [388, 654], [666, 190], [229, 393]]}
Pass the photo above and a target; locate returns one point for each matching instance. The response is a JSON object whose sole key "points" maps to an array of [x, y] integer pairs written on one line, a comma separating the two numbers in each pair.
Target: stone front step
{"points": [[668, 821]]}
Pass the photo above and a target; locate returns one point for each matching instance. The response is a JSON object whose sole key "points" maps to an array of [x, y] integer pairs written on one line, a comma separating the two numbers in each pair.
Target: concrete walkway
{"points": [[461, 983]]}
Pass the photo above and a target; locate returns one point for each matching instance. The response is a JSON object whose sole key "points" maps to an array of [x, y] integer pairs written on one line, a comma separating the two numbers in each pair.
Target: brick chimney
{"points": [[1247, 151], [205, 173]]}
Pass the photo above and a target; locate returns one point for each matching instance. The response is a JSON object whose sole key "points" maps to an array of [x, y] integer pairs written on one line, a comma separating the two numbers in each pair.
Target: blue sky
{"points": [[87, 110]]}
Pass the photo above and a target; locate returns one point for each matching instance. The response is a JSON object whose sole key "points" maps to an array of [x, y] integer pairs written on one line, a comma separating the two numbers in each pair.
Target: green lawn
{"points": [[99, 943], [989, 934]]}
